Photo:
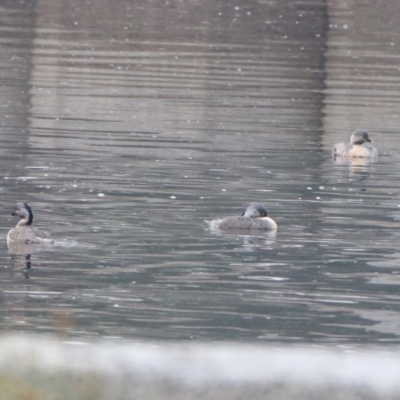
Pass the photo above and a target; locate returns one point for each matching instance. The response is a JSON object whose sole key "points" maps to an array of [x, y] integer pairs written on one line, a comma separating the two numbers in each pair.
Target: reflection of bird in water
{"points": [[254, 218], [25, 232], [23, 261], [360, 146], [257, 242]]}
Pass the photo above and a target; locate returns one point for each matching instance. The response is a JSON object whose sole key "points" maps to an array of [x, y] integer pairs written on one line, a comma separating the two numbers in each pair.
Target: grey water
{"points": [[127, 125]]}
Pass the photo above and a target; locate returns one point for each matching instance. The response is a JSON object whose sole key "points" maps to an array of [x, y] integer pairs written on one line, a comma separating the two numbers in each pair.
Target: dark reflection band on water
{"points": [[127, 127]]}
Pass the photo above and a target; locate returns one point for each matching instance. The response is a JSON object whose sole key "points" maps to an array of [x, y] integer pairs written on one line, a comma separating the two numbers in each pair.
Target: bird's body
{"points": [[360, 146], [25, 232], [254, 218]]}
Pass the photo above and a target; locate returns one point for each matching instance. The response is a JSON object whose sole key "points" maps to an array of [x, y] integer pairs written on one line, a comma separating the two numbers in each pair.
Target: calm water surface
{"points": [[126, 127]]}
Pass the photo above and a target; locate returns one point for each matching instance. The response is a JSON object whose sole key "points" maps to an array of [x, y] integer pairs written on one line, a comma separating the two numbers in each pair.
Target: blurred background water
{"points": [[127, 125]]}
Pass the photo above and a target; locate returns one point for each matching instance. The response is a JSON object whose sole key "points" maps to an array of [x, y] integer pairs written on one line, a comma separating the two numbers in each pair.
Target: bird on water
{"points": [[253, 218], [24, 231], [360, 146]]}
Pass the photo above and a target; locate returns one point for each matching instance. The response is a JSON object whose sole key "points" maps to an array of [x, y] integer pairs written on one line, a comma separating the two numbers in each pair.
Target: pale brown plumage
{"points": [[25, 232], [360, 146], [254, 218]]}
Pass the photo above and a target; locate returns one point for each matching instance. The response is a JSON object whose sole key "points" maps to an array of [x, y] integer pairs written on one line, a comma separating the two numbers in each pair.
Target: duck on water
{"points": [[254, 218], [360, 146], [24, 231]]}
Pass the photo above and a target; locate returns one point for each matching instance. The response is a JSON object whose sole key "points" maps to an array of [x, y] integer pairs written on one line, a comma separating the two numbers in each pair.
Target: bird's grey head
{"points": [[255, 210], [360, 136], [24, 211]]}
